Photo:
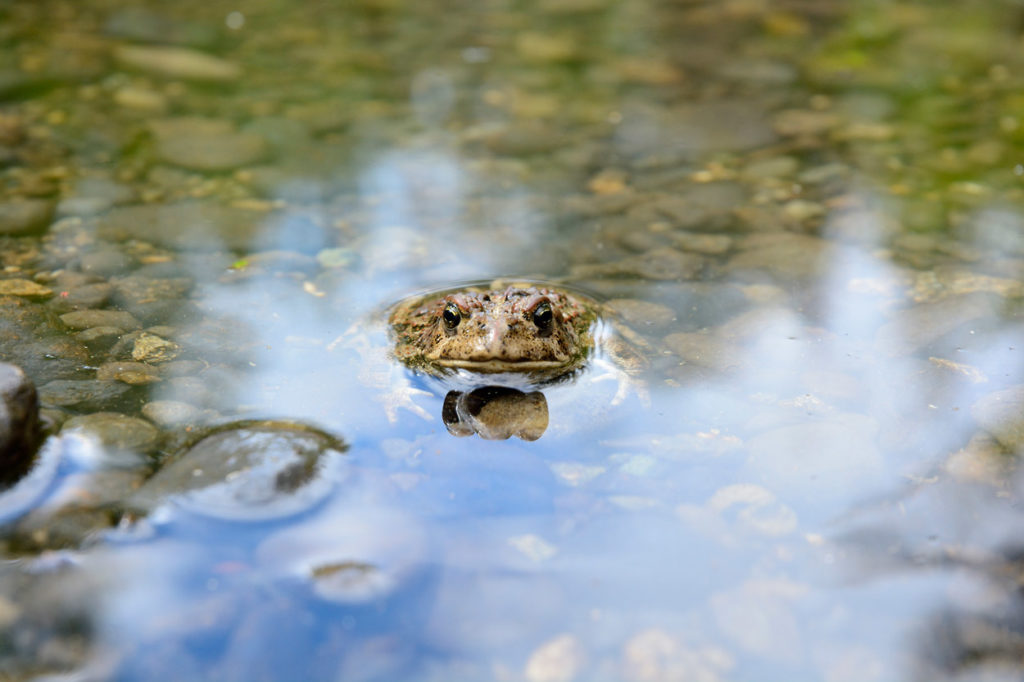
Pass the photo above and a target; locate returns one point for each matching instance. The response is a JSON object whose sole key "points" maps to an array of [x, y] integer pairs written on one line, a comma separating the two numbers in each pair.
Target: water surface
{"points": [[810, 213]]}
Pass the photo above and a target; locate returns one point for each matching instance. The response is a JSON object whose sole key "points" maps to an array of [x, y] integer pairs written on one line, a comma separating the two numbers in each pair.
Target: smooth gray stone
{"points": [[19, 422]]}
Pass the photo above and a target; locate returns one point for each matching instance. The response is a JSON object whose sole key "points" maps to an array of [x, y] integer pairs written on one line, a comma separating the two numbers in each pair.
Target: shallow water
{"points": [[809, 214]]}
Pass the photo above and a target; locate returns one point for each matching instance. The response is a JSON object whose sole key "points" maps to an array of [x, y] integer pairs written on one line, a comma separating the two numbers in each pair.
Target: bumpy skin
{"points": [[497, 330]]}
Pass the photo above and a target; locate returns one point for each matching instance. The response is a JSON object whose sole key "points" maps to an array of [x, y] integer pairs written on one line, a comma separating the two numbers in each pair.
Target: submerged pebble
{"points": [[86, 319], [249, 473], [171, 413], [25, 288], [349, 556], [91, 196], [916, 328], [134, 373], [82, 394], [212, 153], [115, 431], [1002, 414], [82, 296], [25, 216], [785, 254], [152, 348], [643, 314], [106, 261], [660, 264], [192, 226], [177, 62]]}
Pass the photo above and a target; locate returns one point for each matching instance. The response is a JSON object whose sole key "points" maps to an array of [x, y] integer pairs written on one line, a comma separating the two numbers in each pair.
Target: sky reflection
{"points": [[814, 241]]}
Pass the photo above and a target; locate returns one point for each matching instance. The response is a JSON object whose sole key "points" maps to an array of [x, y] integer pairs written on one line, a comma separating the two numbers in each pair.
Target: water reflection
{"points": [[495, 413], [808, 213]]}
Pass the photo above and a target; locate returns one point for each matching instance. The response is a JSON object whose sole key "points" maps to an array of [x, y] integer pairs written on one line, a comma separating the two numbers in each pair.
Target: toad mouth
{"points": [[500, 365]]}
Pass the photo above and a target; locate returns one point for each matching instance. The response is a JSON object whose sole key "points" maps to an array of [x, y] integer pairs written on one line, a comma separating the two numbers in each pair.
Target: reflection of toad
{"points": [[496, 413]]}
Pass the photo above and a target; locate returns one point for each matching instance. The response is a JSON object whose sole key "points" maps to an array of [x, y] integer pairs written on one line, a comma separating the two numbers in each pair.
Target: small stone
{"points": [[914, 329], [648, 71], [661, 264], [542, 47], [183, 368], [25, 288], [982, 460], [701, 206], [192, 390], [689, 131], [283, 135], [163, 330], [35, 340], [10, 612], [609, 181], [134, 373], [106, 262], [25, 216], [874, 131], [761, 71], [153, 299], [171, 413], [785, 254], [801, 210], [116, 431], [705, 350], [795, 122], [92, 196], [212, 153], [643, 314], [1002, 414], [336, 258], [282, 261], [197, 226], [86, 319], [152, 348], [82, 394], [175, 62], [697, 242], [81, 297], [141, 99], [321, 116], [360, 556], [773, 167], [100, 337], [190, 126], [998, 228], [524, 140], [825, 173]]}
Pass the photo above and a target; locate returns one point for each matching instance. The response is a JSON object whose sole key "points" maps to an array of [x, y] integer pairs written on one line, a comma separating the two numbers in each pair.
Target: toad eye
{"points": [[543, 317], [451, 316]]}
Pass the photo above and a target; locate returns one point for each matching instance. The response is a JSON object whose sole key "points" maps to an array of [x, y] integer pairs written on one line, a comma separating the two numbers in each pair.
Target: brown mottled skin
{"points": [[515, 329]]}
